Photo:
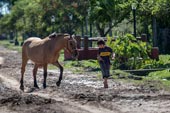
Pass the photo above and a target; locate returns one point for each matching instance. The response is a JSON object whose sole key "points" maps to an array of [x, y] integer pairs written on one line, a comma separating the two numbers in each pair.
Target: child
{"points": [[104, 54]]}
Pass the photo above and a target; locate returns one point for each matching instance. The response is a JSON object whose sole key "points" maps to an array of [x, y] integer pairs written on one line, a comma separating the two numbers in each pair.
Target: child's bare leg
{"points": [[105, 83]]}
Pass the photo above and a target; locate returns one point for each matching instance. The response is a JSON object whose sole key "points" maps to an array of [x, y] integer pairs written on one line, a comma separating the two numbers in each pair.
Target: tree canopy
{"points": [[34, 17]]}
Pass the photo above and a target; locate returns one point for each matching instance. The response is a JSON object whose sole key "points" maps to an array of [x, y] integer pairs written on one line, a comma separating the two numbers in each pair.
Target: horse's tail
{"points": [[25, 48]]}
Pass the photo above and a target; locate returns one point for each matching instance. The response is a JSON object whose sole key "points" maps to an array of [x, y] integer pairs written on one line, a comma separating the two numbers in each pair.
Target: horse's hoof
{"points": [[36, 86], [44, 86], [58, 83], [21, 88]]}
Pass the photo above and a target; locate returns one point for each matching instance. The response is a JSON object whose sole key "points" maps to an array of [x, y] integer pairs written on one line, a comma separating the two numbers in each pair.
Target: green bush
{"points": [[130, 53]]}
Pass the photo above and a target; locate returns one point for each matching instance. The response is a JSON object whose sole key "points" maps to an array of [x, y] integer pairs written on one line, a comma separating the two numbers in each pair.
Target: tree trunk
{"points": [[154, 32], [82, 29], [104, 32], [86, 28], [100, 30]]}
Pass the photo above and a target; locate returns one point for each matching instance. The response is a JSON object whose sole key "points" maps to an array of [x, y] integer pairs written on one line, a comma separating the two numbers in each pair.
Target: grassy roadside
{"points": [[155, 80], [9, 45]]}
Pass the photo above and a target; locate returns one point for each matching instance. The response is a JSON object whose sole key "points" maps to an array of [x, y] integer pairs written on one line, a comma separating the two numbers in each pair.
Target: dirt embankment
{"points": [[77, 93]]}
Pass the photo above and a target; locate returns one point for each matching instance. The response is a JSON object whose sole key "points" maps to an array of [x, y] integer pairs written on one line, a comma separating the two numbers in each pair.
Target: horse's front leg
{"points": [[61, 72], [34, 75], [45, 75]]}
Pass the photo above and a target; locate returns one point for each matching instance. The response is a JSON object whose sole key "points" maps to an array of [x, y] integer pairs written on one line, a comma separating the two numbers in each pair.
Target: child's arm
{"points": [[113, 56], [99, 58]]}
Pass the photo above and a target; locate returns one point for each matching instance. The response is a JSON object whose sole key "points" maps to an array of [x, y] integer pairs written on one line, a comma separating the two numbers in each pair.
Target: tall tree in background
{"points": [[73, 14], [34, 17], [108, 13]]}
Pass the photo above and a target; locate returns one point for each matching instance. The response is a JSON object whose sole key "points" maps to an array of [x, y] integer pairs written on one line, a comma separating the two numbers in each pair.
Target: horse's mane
{"points": [[53, 35]]}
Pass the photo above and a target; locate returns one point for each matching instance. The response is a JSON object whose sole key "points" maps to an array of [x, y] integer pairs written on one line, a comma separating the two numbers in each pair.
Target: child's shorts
{"points": [[105, 68]]}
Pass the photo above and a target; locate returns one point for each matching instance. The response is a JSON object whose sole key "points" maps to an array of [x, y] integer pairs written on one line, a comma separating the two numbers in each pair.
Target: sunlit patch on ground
{"points": [[1, 60]]}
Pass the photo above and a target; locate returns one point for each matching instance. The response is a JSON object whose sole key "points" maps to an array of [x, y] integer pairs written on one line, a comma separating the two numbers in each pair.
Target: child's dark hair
{"points": [[100, 42]]}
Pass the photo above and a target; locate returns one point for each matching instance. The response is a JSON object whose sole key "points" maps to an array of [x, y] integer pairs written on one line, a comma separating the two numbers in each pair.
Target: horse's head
{"points": [[72, 46]]}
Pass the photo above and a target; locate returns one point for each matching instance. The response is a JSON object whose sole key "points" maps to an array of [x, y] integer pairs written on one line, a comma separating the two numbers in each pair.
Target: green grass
{"points": [[164, 62], [158, 80], [9, 45], [165, 58], [161, 77], [82, 66]]}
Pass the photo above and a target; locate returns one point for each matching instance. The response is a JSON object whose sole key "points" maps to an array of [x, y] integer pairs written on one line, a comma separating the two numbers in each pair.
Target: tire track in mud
{"points": [[99, 99], [43, 97]]}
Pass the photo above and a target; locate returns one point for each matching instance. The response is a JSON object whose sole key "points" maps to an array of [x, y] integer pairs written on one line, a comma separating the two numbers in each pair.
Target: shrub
{"points": [[130, 53]]}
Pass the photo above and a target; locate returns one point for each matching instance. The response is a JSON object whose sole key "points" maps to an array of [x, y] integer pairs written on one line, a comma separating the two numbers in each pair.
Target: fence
{"points": [[87, 50]]}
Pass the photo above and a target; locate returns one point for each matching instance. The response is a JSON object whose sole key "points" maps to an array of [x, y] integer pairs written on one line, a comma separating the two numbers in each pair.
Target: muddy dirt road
{"points": [[77, 94]]}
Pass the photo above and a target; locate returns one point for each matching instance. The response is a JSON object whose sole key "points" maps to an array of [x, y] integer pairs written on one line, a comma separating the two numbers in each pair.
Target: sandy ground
{"points": [[77, 94]]}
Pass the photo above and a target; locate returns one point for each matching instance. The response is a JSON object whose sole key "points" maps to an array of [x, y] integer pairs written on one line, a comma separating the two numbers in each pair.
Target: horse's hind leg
{"points": [[24, 63], [34, 75], [61, 72], [45, 75]]}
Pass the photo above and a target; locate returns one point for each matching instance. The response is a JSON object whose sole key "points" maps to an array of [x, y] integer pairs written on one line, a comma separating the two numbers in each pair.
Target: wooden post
{"points": [[78, 39], [154, 32], [155, 53], [144, 37], [85, 42]]}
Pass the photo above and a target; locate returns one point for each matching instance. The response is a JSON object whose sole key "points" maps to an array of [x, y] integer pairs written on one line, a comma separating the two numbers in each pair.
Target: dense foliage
{"points": [[130, 53], [34, 17], [107, 14]]}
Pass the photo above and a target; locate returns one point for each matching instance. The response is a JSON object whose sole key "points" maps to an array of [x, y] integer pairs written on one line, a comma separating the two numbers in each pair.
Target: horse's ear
{"points": [[53, 35], [73, 36]]}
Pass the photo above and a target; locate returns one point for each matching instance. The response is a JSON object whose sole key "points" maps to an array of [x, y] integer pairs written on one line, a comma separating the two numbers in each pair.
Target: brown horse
{"points": [[46, 51]]}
